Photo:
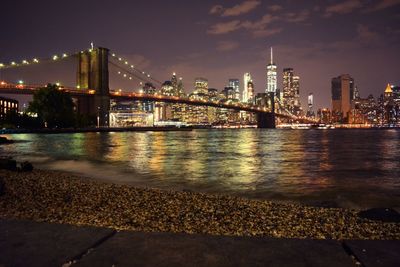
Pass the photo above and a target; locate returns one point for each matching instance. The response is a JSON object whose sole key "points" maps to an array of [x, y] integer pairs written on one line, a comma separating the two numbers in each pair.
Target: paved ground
{"points": [[25, 243]]}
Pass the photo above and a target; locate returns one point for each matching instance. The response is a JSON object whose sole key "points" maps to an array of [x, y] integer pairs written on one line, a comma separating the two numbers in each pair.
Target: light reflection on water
{"points": [[351, 168]]}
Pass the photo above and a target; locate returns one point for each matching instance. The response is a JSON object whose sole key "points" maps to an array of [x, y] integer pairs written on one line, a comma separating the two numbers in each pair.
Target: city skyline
{"points": [[219, 42]]}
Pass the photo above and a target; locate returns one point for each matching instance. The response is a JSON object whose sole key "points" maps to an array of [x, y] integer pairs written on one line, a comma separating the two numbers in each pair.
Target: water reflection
{"points": [[348, 167]]}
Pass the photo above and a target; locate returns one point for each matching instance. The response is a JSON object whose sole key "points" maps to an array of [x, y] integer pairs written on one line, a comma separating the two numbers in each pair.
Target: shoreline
{"points": [[94, 130], [61, 197]]}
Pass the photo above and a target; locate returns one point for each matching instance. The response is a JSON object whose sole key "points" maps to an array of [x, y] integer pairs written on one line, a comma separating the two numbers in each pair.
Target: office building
{"points": [[342, 97]]}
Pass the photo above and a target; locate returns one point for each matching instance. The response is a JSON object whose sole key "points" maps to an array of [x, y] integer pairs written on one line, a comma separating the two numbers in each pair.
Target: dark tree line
{"points": [[51, 108]]}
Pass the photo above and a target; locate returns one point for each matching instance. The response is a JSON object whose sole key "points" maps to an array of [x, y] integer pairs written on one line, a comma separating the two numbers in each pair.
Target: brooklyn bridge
{"points": [[92, 93]]}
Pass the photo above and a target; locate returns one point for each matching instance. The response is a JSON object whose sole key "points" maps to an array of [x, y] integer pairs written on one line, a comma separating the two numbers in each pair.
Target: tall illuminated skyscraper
{"points": [[234, 83], [246, 80], [291, 91], [271, 75]]}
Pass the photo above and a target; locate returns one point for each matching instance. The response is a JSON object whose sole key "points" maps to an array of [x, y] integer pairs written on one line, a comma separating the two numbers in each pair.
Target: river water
{"points": [[346, 168]]}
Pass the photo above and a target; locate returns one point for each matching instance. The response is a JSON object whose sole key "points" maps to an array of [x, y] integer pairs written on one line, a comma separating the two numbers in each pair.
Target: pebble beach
{"points": [[60, 197]]}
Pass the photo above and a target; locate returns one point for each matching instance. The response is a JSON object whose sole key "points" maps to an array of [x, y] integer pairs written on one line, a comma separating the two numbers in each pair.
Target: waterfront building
{"points": [[163, 111], [148, 89], [7, 107], [199, 114], [235, 84], [272, 74], [324, 115], [342, 97], [390, 108], [367, 107]]}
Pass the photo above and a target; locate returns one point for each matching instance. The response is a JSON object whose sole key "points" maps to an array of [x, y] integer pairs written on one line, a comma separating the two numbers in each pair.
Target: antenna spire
{"points": [[272, 56]]}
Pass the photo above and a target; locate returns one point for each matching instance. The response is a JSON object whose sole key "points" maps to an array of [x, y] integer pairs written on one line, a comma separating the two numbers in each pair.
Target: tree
{"points": [[54, 107]]}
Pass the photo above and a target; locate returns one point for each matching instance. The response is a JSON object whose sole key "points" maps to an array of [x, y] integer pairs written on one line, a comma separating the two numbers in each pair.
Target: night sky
{"points": [[216, 39]]}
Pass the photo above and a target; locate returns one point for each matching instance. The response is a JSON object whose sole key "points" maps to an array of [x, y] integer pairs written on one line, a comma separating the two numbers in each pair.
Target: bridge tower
{"points": [[93, 74], [267, 120]]}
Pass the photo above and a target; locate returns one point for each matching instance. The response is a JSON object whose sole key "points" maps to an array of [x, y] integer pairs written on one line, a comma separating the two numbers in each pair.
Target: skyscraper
{"points": [[246, 80], [181, 88], [310, 111], [234, 83], [174, 83], [342, 95], [291, 91], [271, 76], [250, 92]]}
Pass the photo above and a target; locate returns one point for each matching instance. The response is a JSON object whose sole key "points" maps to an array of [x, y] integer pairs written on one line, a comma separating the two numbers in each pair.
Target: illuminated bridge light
{"points": [[132, 66], [64, 55], [120, 59], [113, 55], [130, 78], [148, 75], [25, 62], [1, 65], [124, 75], [55, 57], [119, 72], [13, 63], [35, 60]]}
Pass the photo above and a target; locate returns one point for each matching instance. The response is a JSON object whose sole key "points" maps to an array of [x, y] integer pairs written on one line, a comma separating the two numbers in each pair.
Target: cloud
{"points": [[259, 24], [383, 4], [344, 7], [266, 32], [225, 27], [225, 46], [217, 9], [275, 8], [261, 27], [242, 8], [297, 17]]}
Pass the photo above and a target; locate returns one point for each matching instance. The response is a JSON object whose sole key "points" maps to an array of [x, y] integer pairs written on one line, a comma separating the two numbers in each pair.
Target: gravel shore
{"points": [[59, 197]]}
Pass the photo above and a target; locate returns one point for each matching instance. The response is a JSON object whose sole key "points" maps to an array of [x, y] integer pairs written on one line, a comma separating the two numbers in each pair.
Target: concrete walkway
{"points": [[26, 243]]}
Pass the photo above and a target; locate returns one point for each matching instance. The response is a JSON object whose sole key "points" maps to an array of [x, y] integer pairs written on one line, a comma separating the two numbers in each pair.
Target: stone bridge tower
{"points": [[93, 74]]}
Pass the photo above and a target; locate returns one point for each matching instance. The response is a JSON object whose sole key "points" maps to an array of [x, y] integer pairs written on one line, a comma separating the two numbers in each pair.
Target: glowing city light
{"points": [[13, 63], [25, 62], [20, 82], [64, 55], [55, 57], [35, 60]]}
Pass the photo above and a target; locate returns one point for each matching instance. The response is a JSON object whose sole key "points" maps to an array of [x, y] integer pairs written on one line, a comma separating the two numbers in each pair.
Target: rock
{"points": [[26, 166], [2, 187], [8, 164], [4, 140]]}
